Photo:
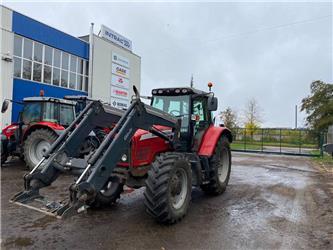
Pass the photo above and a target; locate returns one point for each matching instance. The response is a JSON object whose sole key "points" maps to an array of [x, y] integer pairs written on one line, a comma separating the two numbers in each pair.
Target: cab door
{"points": [[201, 120]]}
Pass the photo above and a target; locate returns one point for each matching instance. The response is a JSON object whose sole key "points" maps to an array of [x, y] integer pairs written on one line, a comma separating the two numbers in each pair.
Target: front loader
{"points": [[168, 147]]}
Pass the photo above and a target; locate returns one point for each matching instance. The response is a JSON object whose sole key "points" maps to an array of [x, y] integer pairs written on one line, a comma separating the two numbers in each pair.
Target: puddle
{"points": [[18, 242]]}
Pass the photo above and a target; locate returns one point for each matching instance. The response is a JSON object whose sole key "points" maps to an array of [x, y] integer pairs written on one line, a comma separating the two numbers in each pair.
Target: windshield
{"points": [[174, 105]]}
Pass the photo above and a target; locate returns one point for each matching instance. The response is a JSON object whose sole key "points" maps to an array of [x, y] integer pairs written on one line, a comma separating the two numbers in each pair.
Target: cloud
{"points": [[267, 51]]}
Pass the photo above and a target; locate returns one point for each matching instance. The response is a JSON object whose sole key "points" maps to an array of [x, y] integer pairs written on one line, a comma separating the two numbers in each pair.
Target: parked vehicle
{"points": [[41, 121], [168, 147]]}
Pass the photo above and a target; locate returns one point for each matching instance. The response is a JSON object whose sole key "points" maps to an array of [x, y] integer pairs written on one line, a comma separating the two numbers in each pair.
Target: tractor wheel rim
{"points": [[178, 188], [108, 188], [223, 167], [38, 149]]}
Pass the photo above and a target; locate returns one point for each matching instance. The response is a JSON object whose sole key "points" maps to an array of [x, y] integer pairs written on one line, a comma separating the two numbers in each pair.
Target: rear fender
{"points": [[211, 138], [56, 128]]}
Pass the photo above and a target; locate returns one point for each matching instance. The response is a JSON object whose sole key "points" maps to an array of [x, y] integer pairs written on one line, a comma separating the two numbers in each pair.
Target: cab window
{"points": [[50, 112], [66, 114], [198, 110], [31, 112]]}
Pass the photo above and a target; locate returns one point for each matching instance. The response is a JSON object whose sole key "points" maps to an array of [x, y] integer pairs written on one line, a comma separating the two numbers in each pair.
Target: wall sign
{"points": [[119, 103], [120, 70], [115, 37], [121, 60], [119, 92], [119, 81]]}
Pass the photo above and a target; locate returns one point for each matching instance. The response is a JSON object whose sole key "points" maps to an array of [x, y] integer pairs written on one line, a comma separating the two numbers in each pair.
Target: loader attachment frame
{"points": [[101, 163]]}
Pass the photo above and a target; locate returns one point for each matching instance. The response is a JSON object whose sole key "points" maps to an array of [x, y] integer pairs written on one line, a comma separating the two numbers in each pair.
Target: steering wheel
{"points": [[172, 112]]}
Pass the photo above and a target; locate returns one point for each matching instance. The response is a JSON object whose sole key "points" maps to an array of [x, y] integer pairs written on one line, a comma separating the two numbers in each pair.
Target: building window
{"points": [[48, 55], [41, 63], [38, 52], [56, 76], [64, 61], [37, 72], [64, 78], [57, 56], [27, 49], [47, 74], [18, 46], [17, 67], [26, 70]]}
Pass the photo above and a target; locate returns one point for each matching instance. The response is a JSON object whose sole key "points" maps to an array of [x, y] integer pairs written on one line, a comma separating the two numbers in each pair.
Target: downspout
{"points": [[91, 49]]}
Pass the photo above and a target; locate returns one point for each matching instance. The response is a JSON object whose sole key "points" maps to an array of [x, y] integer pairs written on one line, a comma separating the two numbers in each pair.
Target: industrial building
{"points": [[35, 57]]}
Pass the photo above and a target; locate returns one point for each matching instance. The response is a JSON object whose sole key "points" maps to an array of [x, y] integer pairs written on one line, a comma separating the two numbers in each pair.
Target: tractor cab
{"points": [[47, 109], [192, 106]]}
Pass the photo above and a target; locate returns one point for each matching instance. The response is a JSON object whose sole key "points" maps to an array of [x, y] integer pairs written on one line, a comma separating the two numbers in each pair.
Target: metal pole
{"points": [[295, 116], [91, 46], [280, 140], [262, 140], [191, 81], [244, 139]]}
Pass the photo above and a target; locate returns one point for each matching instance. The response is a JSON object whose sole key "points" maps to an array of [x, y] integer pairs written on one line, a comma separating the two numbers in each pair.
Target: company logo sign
{"points": [[120, 70], [119, 103], [116, 38], [121, 60], [120, 81], [119, 92]]}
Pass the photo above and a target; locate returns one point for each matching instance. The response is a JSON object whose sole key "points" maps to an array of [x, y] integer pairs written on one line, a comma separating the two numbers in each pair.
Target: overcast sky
{"points": [[267, 51]]}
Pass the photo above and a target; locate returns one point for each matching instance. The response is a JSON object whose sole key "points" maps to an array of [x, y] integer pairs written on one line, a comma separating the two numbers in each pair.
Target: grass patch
{"points": [[258, 144], [241, 146], [326, 160]]}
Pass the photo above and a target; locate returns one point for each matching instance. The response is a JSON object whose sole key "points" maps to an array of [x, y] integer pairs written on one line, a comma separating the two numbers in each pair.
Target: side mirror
{"points": [[212, 103], [5, 105]]}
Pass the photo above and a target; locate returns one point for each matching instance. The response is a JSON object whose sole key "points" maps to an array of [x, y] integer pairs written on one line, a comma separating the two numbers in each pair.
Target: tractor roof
{"points": [[48, 99], [178, 91]]}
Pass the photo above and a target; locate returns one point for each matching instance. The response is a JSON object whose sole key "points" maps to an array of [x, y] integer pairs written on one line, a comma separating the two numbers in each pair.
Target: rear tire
{"points": [[220, 165], [109, 194], [36, 144], [168, 188], [4, 157]]}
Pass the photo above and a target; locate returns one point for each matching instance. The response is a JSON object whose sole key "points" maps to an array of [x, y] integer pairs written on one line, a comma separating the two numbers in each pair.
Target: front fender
{"points": [[211, 138]]}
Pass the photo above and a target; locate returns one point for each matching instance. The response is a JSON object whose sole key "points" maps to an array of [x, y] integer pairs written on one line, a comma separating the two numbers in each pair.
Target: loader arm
{"points": [[102, 162]]}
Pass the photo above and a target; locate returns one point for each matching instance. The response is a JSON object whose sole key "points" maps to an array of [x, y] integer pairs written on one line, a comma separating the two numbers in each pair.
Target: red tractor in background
{"points": [[40, 123]]}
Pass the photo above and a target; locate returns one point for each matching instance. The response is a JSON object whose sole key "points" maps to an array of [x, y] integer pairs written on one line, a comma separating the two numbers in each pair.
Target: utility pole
{"points": [[191, 81], [295, 116]]}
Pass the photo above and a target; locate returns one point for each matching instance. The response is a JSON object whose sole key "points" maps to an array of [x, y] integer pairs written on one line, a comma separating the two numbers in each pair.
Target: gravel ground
{"points": [[272, 202]]}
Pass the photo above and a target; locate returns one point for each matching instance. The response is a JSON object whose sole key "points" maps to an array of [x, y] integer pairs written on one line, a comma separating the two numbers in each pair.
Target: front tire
{"points": [[220, 165], [168, 188], [36, 144]]}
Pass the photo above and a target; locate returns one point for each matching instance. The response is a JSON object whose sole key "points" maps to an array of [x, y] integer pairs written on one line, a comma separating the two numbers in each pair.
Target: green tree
{"points": [[252, 116], [319, 106], [229, 117]]}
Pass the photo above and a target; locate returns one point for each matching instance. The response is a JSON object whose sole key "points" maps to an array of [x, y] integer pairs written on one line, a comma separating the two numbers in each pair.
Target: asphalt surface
{"points": [[272, 202]]}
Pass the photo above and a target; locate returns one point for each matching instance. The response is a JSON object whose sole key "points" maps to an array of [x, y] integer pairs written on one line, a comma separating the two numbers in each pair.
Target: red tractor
{"points": [[40, 123], [166, 147]]}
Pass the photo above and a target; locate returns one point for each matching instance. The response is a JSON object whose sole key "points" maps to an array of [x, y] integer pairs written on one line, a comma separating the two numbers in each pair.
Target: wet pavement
{"points": [[272, 202]]}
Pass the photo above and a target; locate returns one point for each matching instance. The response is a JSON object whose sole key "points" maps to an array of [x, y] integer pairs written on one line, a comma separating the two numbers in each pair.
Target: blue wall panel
{"points": [[40, 32], [22, 88]]}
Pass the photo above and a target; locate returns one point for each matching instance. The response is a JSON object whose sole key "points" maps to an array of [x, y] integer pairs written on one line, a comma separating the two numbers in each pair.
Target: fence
{"points": [[330, 134], [279, 141]]}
